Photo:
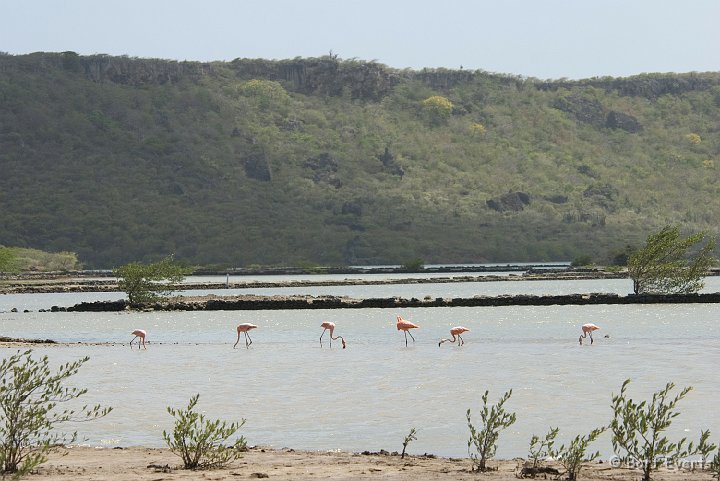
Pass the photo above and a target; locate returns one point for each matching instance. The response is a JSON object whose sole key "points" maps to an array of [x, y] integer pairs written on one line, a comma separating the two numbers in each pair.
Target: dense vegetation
{"points": [[333, 161], [17, 259]]}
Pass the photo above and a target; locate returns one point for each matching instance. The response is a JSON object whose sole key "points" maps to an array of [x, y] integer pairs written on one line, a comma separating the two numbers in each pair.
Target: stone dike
{"points": [[253, 303]]}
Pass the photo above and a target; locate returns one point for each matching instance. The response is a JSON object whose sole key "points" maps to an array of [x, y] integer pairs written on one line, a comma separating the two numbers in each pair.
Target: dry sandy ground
{"points": [[148, 464]]}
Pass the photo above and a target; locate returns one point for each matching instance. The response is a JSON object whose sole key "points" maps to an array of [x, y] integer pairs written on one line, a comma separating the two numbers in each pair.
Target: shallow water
{"points": [[623, 287], [295, 393]]}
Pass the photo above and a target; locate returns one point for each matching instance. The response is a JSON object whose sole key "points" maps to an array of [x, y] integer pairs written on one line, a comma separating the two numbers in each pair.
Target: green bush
{"points": [[31, 400], [663, 266], [575, 454], [637, 429], [540, 448], [484, 439], [200, 442], [150, 282], [715, 465], [703, 448]]}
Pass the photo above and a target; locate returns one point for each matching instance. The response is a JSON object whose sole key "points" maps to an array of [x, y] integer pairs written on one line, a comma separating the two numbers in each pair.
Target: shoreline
{"points": [[155, 464]]}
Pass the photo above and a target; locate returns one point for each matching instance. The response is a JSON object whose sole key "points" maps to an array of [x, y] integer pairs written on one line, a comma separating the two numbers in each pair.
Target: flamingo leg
{"points": [[143, 344], [132, 342], [591, 339], [460, 340], [321, 336], [247, 338], [405, 338], [410, 336], [238, 340]]}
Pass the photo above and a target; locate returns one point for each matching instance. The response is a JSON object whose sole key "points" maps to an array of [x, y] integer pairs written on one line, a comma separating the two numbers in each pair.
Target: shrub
{"points": [[574, 455], [494, 419], [150, 282], [703, 448], [437, 109], [413, 265], [540, 448], [663, 267], [199, 441], [715, 465], [31, 400], [638, 428], [408, 439]]}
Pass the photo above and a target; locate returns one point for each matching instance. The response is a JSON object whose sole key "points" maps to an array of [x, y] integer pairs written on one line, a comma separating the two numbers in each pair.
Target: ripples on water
{"points": [[369, 396]]}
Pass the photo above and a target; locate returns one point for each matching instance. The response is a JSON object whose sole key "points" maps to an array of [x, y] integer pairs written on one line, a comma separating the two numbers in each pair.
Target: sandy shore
{"points": [[149, 464]]}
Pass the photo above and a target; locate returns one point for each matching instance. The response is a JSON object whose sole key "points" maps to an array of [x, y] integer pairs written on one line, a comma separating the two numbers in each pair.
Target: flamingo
{"points": [[405, 325], [456, 331], [587, 330], [330, 326], [244, 327], [141, 334]]}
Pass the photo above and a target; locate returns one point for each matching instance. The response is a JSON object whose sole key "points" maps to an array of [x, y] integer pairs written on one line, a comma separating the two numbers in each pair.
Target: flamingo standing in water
{"points": [[330, 326], [405, 325], [587, 330], [141, 334], [456, 331], [244, 328]]}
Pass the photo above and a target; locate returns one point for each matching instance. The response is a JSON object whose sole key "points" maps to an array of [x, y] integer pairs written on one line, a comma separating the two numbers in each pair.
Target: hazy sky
{"points": [[534, 38]]}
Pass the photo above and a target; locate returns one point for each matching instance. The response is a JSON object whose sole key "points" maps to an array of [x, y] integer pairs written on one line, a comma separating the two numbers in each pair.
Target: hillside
{"points": [[331, 161]]}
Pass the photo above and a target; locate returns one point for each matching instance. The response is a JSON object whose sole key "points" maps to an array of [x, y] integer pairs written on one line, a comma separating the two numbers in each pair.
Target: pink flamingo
{"points": [[405, 325], [587, 330], [456, 331], [330, 326], [244, 327], [141, 334]]}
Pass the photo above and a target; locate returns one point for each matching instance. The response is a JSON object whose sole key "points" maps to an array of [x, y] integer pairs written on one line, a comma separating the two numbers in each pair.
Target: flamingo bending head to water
{"points": [[587, 330], [405, 325], [141, 334], [244, 328], [456, 331], [330, 326]]}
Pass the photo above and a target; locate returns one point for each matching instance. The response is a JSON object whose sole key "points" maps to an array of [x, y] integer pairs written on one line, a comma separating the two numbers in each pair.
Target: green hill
{"points": [[330, 161]]}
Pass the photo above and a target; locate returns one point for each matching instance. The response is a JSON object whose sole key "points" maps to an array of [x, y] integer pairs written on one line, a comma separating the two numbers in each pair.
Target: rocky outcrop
{"points": [[324, 169], [622, 121], [257, 167], [557, 198], [585, 109], [325, 75], [510, 202], [650, 86], [390, 164], [604, 195]]}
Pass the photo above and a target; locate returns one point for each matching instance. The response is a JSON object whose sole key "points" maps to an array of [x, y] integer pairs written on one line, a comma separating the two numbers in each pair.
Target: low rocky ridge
{"points": [[251, 303]]}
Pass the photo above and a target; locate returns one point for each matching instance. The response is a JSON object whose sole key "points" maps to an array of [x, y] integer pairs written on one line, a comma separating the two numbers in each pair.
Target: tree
{"points": [[663, 267], [30, 410], [408, 439], [494, 419], [199, 441], [267, 92], [8, 261], [437, 109], [637, 429], [150, 282]]}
